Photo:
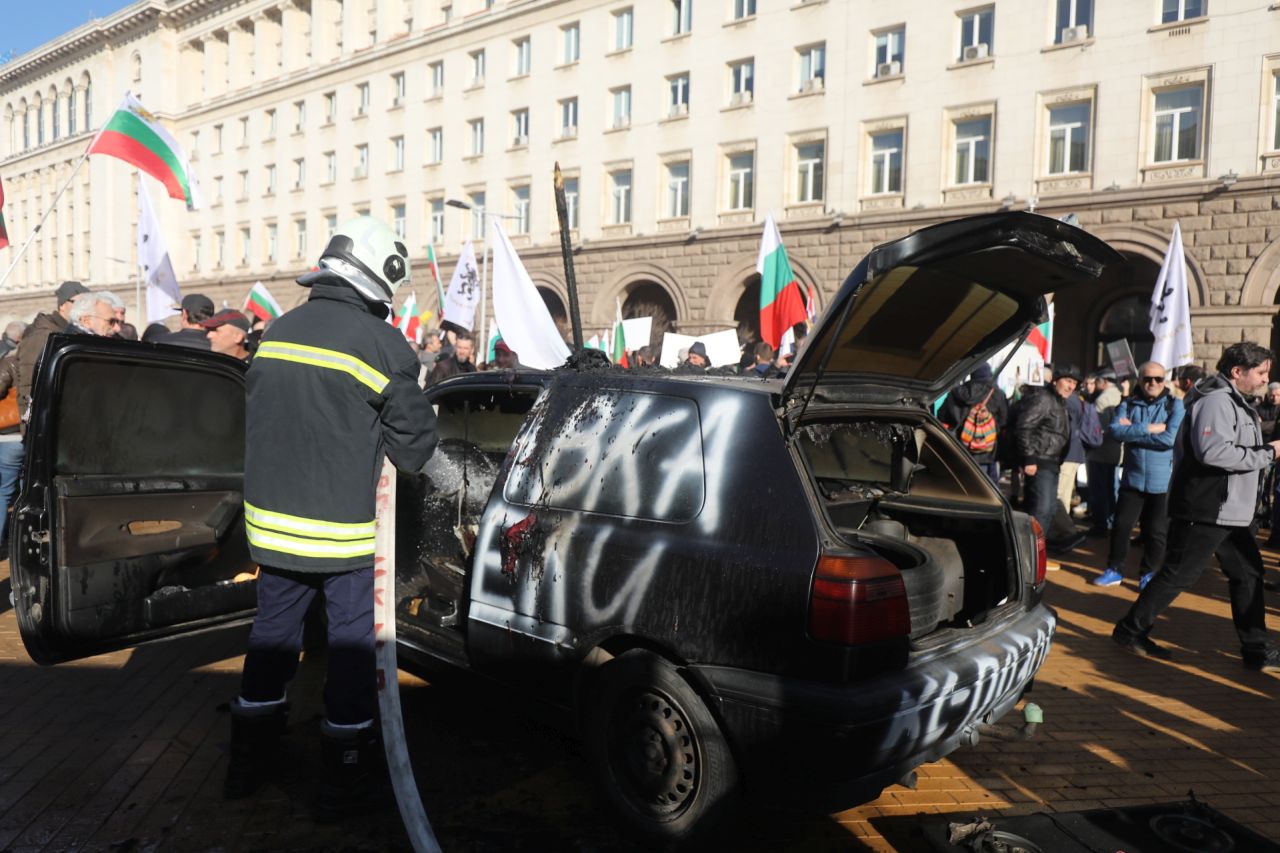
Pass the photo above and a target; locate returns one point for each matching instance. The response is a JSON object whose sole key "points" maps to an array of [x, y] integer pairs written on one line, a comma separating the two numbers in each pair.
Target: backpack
{"points": [[978, 432]]}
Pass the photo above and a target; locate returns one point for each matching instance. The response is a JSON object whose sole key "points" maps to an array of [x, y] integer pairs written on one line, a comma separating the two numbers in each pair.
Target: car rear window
{"points": [[624, 453], [138, 418]]}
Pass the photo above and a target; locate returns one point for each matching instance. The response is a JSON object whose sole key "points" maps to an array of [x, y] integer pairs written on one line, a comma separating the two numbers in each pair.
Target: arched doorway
{"points": [[746, 314], [555, 307], [1088, 317], [650, 299]]}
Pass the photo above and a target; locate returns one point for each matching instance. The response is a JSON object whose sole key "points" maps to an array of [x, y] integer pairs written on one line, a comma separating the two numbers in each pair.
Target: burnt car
{"points": [[734, 584]]}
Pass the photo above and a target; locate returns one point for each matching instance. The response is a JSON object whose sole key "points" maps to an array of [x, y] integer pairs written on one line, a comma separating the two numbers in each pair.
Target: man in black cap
{"points": [[1042, 435], [696, 361], [228, 333], [196, 308], [44, 325]]}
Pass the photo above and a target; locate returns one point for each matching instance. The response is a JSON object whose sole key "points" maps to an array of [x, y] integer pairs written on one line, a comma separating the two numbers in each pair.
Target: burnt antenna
{"points": [[566, 251]]}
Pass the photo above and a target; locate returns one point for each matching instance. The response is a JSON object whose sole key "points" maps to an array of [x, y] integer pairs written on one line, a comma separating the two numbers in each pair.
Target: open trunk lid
{"points": [[916, 315]]}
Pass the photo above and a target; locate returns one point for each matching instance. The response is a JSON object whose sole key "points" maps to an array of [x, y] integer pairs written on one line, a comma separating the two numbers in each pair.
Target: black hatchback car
{"points": [[733, 583]]}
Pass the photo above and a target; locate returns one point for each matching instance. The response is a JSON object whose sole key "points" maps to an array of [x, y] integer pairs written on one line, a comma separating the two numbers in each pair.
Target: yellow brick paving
{"points": [[129, 748]]}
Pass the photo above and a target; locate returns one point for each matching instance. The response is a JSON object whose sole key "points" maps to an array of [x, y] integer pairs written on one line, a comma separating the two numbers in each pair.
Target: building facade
{"points": [[679, 124]]}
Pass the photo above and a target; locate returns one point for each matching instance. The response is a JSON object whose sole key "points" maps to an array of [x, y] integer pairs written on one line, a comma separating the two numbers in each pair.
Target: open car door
{"points": [[128, 526]]}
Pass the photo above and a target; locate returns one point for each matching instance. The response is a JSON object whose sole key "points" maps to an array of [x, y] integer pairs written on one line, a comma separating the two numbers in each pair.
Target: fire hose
{"points": [[408, 800]]}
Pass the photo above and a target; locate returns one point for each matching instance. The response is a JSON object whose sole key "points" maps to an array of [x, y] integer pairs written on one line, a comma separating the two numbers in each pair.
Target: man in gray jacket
{"points": [[1218, 455]]}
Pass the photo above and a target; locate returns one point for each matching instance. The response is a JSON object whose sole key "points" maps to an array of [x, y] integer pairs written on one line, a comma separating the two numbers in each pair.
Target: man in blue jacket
{"points": [[1218, 455], [1146, 425]]}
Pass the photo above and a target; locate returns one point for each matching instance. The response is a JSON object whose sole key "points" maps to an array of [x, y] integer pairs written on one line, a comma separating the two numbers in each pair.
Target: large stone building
{"points": [[679, 123]]}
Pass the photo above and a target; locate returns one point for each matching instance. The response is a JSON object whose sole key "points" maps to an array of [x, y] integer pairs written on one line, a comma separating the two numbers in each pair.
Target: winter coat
{"points": [[1148, 456], [331, 388], [1086, 430], [447, 368], [30, 349], [1042, 428], [955, 409], [190, 338], [1218, 457], [1109, 452]]}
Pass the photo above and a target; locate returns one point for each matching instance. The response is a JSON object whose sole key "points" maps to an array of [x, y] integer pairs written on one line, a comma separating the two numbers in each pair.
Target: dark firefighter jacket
{"points": [[331, 389]]}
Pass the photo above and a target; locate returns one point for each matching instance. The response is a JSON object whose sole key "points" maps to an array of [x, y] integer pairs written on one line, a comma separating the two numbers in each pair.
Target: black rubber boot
{"points": [[353, 772], [255, 743]]}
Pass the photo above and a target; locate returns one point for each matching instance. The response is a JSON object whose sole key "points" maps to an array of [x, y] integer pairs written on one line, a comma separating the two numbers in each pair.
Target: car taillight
{"points": [[1042, 553], [858, 600]]}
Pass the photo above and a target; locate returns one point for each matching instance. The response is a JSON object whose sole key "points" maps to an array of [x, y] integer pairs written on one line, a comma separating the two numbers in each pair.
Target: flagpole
{"points": [[32, 236], [484, 287]]}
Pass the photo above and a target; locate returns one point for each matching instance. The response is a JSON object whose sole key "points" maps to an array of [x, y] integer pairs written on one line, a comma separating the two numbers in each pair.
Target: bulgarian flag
{"points": [[781, 300], [4, 235], [408, 319], [261, 304], [136, 136], [1041, 337], [435, 274], [619, 353]]}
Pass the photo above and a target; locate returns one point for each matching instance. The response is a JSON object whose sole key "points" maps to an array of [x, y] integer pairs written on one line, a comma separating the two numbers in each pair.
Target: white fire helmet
{"points": [[366, 254]]}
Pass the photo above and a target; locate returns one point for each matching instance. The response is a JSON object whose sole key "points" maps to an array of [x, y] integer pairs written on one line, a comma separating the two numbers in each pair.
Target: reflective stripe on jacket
{"points": [[331, 389]]}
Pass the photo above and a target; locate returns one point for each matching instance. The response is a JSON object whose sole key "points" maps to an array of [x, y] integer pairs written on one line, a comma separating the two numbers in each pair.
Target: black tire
{"points": [[922, 576], [657, 752]]}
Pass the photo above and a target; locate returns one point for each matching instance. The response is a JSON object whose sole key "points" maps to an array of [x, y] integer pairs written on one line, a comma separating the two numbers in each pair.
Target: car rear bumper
{"points": [[863, 736]]}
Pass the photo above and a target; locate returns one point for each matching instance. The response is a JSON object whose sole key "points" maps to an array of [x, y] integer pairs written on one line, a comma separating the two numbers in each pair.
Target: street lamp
{"points": [[484, 262]]}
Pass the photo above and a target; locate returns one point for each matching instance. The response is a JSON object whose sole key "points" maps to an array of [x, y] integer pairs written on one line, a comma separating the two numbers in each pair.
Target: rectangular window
{"points": [[568, 118], [743, 9], [886, 162], [523, 56], [1177, 124], [520, 208], [362, 99], [397, 220], [1275, 114], [478, 229], [217, 190], [681, 16], [271, 125], [245, 237], [572, 45], [742, 81], [571, 201], [678, 189], [217, 139], [299, 173], [219, 249], [810, 168], [1074, 21], [620, 197], [976, 34], [519, 128], [299, 116], [435, 145], [330, 167], [1181, 10], [1069, 139], [195, 144], [741, 181], [973, 151], [890, 52], [813, 67], [397, 154], [678, 100], [437, 220], [622, 107], [477, 68], [477, 136], [244, 131], [299, 238], [399, 92], [195, 252], [362, 161], [244, 185], [623, 29], [330, 107], [273, 240], [330, 226], [437, 78]]}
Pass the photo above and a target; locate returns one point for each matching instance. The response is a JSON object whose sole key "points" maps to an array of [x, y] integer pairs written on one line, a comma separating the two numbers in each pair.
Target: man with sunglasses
{"points": [[1146, 424], [1218, 455], [94, 314]]}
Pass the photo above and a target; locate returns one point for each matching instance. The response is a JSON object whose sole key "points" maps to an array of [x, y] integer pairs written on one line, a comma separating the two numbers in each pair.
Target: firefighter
{"points": [[331, 389]]}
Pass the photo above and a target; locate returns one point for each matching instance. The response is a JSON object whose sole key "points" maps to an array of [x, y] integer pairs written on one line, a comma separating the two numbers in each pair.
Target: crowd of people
{"points": [[1187, 458]]}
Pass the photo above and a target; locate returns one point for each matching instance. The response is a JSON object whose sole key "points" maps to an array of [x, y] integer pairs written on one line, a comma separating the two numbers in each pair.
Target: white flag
{"points": [[1171, 309], [464, 291], [153, 259], [522, 316]]}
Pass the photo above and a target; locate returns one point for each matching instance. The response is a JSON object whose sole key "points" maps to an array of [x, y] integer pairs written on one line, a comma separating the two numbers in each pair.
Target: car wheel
{"points": [[657, 751], [922, 576]]}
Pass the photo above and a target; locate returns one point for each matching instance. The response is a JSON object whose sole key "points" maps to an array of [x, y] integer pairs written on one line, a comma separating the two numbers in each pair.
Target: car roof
{"points": [[612, 376]]}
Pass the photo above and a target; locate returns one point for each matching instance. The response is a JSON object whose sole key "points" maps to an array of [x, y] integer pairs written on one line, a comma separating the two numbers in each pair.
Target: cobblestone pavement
{"points": [[126, 751]]}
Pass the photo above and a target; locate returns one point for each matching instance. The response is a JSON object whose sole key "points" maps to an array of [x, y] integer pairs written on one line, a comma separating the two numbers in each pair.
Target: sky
{"points": [[22, 31]]}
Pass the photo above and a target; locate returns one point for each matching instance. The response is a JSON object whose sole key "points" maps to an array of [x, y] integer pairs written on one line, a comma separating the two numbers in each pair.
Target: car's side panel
{"points": [[727, 585]]}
